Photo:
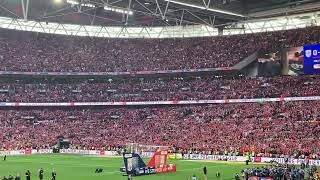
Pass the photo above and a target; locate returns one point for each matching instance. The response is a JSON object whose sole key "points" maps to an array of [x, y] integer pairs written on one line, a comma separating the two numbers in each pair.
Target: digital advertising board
{"points": [[312, 59]]}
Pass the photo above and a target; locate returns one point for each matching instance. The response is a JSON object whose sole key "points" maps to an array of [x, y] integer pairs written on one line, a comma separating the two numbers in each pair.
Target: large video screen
{"points": [[312, 59], [293, 61], [290, 61]]}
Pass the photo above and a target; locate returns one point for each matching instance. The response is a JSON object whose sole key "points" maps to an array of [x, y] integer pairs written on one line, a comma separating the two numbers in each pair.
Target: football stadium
{"points": [[159, 89]]}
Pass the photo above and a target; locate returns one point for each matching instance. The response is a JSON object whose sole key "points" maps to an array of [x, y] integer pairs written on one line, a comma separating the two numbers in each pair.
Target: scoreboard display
{"points": [[312, 59]]}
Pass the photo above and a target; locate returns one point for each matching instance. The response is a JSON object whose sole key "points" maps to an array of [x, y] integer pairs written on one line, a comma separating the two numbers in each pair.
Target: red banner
{"points": [[257, 159], [102, 153], [28, 151]]}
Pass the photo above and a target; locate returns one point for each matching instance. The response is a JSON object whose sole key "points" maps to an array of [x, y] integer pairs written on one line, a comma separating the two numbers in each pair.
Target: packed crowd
{"points": [[189, 88], [291, 128], [36, 52], [277, 171]]}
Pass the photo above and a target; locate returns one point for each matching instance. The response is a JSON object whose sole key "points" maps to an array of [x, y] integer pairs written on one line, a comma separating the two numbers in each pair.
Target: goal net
{"points": [[140, 148]]}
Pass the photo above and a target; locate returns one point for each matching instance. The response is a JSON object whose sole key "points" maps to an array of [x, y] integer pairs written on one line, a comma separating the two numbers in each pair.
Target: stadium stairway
{"points": [[246, 61]]}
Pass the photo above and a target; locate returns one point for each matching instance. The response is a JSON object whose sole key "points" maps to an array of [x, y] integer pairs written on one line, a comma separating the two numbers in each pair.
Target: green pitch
{"points": [[77, 167]]}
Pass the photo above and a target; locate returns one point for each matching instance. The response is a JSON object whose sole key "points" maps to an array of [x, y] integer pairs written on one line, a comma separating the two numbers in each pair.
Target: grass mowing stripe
{"points": [[75, 167], [63, 164], [181, 170]]}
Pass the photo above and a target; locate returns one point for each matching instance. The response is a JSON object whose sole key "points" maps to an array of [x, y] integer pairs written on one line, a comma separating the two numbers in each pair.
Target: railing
{"points": [[148, 103], [116, 73]]}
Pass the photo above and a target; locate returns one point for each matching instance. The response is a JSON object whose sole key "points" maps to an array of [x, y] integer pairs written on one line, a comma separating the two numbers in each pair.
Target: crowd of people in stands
{"points": [[278, 171], [36, 52], [189, 88], [291, 128]]}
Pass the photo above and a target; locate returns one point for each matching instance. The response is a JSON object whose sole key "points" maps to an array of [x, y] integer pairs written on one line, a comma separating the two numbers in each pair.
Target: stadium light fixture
{"points": [[118, 10], [88, 5], [74, 2], [57, 1], [204, 8]]}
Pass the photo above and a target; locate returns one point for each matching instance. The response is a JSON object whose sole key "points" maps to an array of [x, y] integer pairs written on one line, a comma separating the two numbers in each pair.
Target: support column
{"points": [[181, 19], [25, 8], [220, 30], [128, 9]]}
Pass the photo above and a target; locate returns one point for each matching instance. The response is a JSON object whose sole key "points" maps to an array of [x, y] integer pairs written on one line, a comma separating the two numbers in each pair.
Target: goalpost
{"points": [[140, 148]]}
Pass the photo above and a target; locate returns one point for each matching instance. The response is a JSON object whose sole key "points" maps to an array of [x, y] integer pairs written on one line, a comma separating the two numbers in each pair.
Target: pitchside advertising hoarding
{"points": [[150, 154], [312, 59]]}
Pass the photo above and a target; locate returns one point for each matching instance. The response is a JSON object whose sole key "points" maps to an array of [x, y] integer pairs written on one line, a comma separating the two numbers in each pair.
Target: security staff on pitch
{"points": [[17, 177], [28, 175], [247, 158], [53, 175], [41, 174], [205, 172]]}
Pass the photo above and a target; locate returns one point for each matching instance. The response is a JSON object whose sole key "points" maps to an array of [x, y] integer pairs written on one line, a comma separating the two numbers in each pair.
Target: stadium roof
{"points": [[151, 12]]}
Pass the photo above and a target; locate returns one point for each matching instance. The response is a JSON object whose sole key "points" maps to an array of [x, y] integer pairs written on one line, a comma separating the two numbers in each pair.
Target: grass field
{"points": [[77, 167]]}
